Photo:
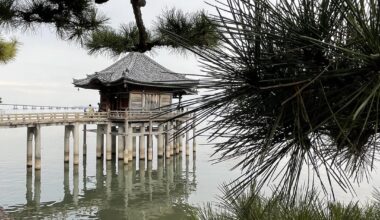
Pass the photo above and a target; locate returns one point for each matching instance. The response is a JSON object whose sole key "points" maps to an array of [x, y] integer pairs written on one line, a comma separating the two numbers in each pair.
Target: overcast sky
{"points": [[45, 65]]}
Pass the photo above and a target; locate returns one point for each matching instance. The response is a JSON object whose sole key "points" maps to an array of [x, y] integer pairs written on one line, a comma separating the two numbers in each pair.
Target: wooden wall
{"points": [[149, 100], [135, 100]]}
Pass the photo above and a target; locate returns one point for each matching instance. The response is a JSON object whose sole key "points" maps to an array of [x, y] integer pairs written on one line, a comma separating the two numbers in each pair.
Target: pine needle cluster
{"points": [[7, 50], [294, 91], [72, 20], [196, 28], [252, 205]]}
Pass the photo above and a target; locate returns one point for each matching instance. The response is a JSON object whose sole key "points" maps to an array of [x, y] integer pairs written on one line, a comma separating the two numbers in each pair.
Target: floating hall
{"points": [[136, 82], [132, 91]]}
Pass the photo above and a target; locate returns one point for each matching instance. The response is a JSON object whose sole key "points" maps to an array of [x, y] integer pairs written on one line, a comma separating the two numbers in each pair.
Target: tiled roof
{"points": [[137, 68]]}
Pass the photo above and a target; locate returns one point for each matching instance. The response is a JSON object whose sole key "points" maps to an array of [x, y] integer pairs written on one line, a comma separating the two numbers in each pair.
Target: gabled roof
{"points": [[137, 68]]}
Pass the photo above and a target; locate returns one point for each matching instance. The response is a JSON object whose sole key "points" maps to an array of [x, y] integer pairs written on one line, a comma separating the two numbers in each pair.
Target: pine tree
{"points": [[79, 20], [196, 29], [294, 90]]}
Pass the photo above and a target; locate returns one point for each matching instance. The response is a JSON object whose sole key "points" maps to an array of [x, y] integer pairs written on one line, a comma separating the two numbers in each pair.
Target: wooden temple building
{"points": [[135, 95], [137, 83], [138, 88]]}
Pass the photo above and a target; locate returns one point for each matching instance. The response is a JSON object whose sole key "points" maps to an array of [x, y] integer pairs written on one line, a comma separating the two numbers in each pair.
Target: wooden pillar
{"points": [[194, 135], [150, 142], [121, 143], [167, 137], [29, 147], [187, 140], [76, 143], [103, 141], [108, 142], [99, 141], [160, 141], [171, 138], [37, 148], [84, 140], [180, 137], [142, 142], [128, 143], [66, 143], [134, 146], [113, 130]]}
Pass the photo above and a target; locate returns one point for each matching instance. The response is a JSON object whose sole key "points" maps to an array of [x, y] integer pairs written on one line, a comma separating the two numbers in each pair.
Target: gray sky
{"points": [[45, 65]]}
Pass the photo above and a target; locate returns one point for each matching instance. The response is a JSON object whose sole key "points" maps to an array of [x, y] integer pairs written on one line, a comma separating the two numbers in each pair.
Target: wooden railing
{"points": [[71, 117], [52, 117], [141, 115]]}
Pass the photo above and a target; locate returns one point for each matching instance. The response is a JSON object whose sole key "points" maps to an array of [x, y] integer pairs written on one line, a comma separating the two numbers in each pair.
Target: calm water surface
{"points": [[161, 189]]}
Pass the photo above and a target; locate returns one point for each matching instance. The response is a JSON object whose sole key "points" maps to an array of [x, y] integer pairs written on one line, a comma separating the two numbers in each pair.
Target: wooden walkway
{"points": [[67, 118], [117, 131]]}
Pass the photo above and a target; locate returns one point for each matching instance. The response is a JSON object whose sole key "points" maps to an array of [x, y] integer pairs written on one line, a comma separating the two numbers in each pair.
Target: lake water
{"points": [[161, 189]]}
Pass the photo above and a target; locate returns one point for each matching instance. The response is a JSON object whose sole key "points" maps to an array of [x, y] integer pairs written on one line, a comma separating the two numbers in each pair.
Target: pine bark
{"points": [[143, 36]]}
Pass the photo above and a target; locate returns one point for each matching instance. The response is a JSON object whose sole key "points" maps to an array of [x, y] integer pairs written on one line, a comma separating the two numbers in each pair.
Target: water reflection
{"points": [[157, 190]]}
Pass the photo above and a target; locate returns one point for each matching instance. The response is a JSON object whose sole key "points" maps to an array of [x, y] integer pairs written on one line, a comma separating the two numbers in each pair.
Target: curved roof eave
{"points": [[120, 80]]}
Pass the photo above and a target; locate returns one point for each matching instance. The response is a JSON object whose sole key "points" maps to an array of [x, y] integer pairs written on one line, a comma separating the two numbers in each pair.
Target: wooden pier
{"points": [[116, 132]]}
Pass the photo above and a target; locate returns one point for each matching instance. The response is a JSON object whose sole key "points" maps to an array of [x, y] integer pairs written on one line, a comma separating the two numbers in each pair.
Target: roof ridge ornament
{"points": [[125, 72]]}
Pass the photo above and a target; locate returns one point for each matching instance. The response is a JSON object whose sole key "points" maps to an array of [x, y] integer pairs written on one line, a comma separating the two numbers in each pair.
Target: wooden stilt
{"points": [[150, 142], [187, 140], [66, 144], [142, 142], [194, 135], [76, 143], [37, 148], [160, 142], [114, 146], [167, 141], [134, 145], [128, 143], [102, 141], [29, 147], [171, 138], [108, 142], [179, 137], [84, 140], [99, 141], [121, 143]]}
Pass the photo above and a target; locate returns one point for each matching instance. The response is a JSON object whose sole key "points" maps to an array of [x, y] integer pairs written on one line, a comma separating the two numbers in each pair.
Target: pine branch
{"points": [[73, 20], [195, 28]]}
